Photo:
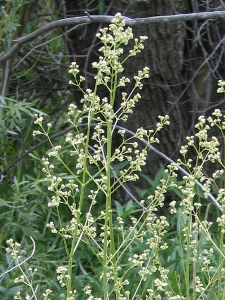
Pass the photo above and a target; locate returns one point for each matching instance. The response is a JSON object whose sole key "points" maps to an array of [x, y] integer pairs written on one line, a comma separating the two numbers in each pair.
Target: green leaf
{"points": [[119, 208]]}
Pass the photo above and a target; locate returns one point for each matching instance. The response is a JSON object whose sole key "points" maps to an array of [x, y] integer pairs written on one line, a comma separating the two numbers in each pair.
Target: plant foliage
{"points": [[72, 241]]}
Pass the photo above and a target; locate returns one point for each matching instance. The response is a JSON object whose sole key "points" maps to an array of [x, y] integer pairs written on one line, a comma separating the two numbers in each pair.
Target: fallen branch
{"points": [[90, 19]]}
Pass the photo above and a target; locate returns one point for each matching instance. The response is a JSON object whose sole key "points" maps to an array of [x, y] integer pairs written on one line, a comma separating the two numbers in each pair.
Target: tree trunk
{"points": [[174, 86], [163, 54]]}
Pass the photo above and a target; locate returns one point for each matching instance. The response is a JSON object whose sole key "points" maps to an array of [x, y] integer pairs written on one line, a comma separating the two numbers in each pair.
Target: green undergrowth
{"points": [[63, 235]]}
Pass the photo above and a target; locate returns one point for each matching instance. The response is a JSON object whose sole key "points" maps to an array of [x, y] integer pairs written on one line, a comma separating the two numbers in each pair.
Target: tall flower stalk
{"points": [[102, 113]]}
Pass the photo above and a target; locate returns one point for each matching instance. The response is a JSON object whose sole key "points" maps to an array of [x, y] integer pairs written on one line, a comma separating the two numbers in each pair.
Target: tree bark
{"points": [[163, 54], [177, 53]]}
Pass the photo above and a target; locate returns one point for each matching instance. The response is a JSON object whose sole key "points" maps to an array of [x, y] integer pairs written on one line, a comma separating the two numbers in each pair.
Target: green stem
{"points": [[108, 216], [195, 261], [187, 266], [108, 213], [220, 264], [82, 195], [221, 243]]}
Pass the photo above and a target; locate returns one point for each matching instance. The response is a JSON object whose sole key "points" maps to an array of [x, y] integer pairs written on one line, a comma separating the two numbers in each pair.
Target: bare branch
{"points": [[27, 152], [150, 147], [90, 19], [22, 262]]}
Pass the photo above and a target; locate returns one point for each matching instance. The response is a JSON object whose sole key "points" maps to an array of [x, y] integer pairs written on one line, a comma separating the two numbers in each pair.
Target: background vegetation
{"points": [[35, 80]]}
